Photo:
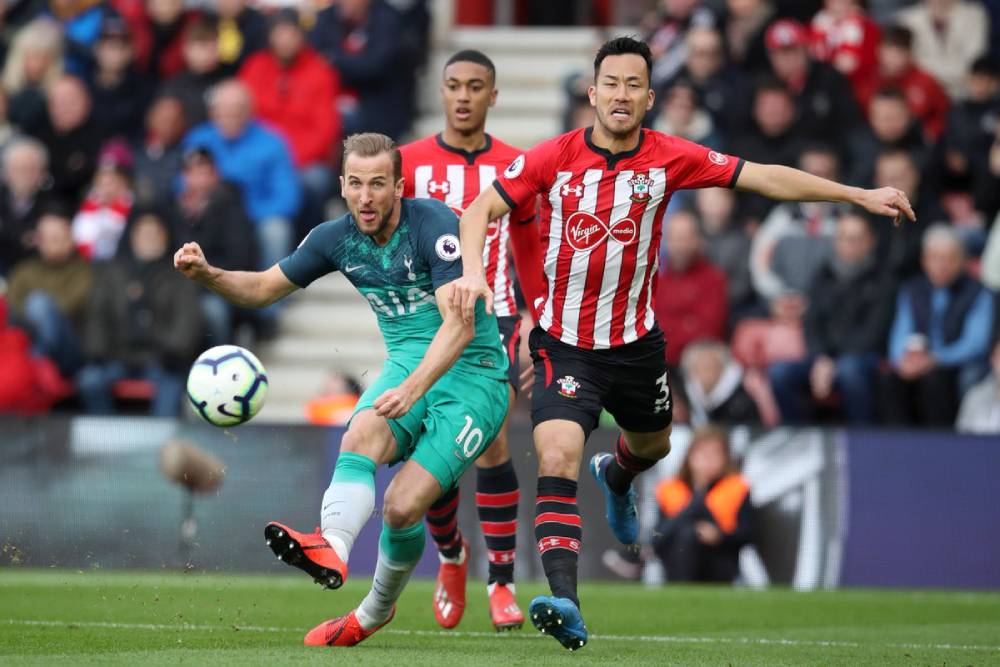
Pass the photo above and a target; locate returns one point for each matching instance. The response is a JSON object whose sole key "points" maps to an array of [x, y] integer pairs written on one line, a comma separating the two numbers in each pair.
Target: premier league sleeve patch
{"points": [[447, 247], [515, 168]]}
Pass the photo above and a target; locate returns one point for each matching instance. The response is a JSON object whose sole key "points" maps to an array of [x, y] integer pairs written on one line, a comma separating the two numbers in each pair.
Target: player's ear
{"points": [[493, 97], [651, 100], [592, 94], [343, 187], [399, 186]]}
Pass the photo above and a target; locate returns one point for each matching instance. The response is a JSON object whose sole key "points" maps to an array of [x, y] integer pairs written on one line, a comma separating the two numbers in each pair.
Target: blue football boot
{"points": [[560, 618], [619, 510]]}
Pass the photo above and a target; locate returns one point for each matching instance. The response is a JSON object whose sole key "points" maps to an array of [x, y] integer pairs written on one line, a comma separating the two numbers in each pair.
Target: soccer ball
{"points": [[227, 385]]}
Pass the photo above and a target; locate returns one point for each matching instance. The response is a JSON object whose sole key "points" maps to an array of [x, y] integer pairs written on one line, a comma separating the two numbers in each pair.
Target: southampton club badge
{"points": [[568, 386], [640, 188]]}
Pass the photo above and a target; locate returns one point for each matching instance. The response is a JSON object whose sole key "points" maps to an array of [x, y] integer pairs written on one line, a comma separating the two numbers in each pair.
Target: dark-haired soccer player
{"points": [[454, 166], [604, 190]]}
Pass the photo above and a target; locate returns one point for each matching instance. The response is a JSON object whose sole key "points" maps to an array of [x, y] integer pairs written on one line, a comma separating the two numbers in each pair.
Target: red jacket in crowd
{"points": [[927, 99], [691, 305], [849, 44], [298, 100]]}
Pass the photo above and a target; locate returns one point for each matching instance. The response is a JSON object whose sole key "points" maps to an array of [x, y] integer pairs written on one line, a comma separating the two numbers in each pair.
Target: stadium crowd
{"points": [[129, 127]]}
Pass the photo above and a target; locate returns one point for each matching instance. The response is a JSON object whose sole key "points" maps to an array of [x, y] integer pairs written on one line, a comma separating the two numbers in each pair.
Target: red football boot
{"points": [[343, 631], [310, 552], [504, 612], [449, 595]]}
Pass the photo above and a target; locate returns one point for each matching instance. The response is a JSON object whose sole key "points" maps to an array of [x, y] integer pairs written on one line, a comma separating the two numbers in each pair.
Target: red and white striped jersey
{"points": [[600, 225], [433, 169]]}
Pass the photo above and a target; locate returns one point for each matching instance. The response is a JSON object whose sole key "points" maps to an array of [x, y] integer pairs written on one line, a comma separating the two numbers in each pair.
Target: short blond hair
{"points": [[370, 144]]}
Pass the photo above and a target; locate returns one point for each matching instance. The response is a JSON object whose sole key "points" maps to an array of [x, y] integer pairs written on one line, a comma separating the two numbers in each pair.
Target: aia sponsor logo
{"points": [[585, 231]]}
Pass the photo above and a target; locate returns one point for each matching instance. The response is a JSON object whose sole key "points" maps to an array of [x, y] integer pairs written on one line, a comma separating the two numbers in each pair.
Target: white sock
{"points": [[347, 506], [387, 585]]}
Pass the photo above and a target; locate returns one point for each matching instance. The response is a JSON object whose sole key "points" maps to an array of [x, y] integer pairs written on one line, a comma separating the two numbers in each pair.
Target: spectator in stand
{"points": [[846, 323], [80, 21], [23, 196], [713, 386], [719, 88], [681, 116], [134, 13], [119, 94], [797, 237], [208, 211], [98, 225], [34, 63], [28, 384], [335, 403], [727, 246], [746, 24], [990, 265], [690, 300], [70, 136], [158, 157], [773, 138], [242, 31], [971, 130], [142, 323], [202, 69], [668, 33], [705, 513], [49, 293], [824, 99], [948, 36], [845, 37], [892, 127], [295, 91], [940, 337], [901, 246], [168, 21], [928, 101], [257, 161], [980, 411], [577, 112], [361, 39]]}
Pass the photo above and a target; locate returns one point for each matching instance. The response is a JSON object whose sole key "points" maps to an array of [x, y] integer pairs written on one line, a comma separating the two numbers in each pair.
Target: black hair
{"points": [[899, 36], [890, 93], [770, 83], [985, 66], [473, 56], [620, 46]]}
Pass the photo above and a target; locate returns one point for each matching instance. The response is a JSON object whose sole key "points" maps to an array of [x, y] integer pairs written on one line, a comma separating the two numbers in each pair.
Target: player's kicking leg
{"points": [[401, 544], [347, 504]]}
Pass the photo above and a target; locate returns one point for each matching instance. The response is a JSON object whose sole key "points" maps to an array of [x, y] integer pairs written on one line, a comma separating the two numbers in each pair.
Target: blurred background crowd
{"points": [[129, 127]]}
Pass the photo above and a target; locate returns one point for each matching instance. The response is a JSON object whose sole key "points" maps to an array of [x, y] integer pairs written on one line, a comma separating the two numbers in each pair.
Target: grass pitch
{"points": [[85, 618]]}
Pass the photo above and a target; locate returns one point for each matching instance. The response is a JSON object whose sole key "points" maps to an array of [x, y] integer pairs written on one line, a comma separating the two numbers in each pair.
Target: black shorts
{"points": [[510, 338], [629, 381]]}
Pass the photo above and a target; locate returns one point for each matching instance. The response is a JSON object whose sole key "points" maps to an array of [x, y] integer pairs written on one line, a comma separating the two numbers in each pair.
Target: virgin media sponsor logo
{"points": [[585, 231]]}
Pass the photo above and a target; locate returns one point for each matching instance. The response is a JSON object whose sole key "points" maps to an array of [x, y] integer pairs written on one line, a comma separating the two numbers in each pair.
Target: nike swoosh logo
{"points": [[349, 269]]}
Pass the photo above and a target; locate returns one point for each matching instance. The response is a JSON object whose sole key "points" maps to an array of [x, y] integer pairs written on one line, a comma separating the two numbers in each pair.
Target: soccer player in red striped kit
{"points": [[454, 166], [604, 191]]}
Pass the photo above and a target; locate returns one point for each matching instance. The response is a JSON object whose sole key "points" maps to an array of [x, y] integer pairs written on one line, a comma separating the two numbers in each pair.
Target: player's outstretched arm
{"points": [[489, 205], [446, 347], [787, 184], [247, 289]]}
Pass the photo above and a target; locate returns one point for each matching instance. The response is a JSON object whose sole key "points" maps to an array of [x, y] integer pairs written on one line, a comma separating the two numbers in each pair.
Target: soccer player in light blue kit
{"points": [[441, 397]]}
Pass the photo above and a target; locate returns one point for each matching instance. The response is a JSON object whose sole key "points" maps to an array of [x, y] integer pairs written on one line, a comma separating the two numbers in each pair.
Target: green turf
{"points": [[77, 618]]}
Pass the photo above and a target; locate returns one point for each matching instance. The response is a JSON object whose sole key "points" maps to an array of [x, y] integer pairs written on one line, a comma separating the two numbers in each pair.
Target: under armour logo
{"points": [[575, 190], [434, 187]]}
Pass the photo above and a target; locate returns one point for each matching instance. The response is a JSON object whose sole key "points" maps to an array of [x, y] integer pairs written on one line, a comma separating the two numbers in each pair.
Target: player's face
{"points": [[467, 93], [370, 191], [621, 95]]}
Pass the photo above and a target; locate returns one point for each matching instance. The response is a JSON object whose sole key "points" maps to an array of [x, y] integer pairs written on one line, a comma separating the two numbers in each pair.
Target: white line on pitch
{"points": [[677, 639]]}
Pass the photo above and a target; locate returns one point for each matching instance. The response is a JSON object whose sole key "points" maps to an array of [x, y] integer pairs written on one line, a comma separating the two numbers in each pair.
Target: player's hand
{"points": [[467, 290], [707, 533], [190, 261], [395, 402], [889, 202]]}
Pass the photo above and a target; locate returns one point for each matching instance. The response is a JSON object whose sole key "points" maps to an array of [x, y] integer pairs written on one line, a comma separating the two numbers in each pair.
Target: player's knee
{"points": [[558, 461], [363, 437], [400, 512]]}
